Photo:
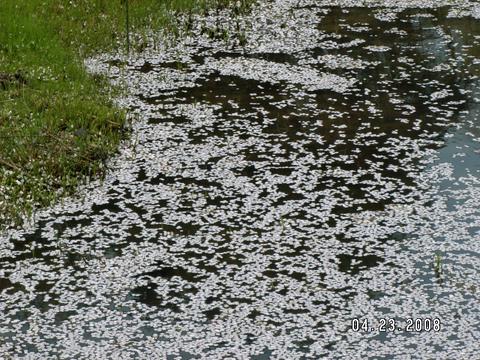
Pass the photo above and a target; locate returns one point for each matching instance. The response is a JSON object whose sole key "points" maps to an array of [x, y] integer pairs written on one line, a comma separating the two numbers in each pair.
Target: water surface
{"points": [[324, 171]]}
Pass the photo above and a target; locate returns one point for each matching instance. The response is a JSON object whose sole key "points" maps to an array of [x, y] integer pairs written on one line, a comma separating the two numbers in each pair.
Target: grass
{"points": [[437, 264], [58, 123]]}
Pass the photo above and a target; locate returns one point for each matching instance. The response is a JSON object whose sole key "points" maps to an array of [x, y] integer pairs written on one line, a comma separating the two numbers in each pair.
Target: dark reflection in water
{"points": [[272, 196]]}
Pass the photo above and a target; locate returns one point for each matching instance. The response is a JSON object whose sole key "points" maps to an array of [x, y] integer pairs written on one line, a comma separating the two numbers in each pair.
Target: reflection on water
{"points": [[327, 171]]}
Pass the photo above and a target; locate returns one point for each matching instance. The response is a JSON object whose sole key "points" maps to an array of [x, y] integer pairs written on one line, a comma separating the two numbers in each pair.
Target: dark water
{"points": [[327, 171]]}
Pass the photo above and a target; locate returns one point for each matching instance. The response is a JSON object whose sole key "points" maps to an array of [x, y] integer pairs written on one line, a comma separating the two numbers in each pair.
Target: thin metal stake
{"points": [[128, 26]]}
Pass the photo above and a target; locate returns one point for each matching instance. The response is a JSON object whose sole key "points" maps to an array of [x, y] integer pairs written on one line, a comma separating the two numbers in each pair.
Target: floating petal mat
{"points": [[286, 188]]}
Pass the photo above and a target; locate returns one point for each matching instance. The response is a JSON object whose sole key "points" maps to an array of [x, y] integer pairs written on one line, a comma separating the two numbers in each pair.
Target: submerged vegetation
{"points": [[57, 122]]}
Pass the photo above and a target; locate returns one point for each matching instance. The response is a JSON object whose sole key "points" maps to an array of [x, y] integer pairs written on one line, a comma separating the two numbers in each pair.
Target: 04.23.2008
{"points": [[392, 325]]}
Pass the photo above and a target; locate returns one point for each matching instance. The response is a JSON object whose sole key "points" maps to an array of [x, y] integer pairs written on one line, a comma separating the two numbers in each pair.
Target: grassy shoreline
{"points": [[58, 123]]}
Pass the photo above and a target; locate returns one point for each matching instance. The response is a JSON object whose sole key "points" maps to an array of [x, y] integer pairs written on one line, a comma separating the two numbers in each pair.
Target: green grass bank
{"points": [[58, 124]]}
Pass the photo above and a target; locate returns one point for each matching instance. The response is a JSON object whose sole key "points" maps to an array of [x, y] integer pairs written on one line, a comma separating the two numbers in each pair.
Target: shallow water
{"points": [[328, 170]]}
